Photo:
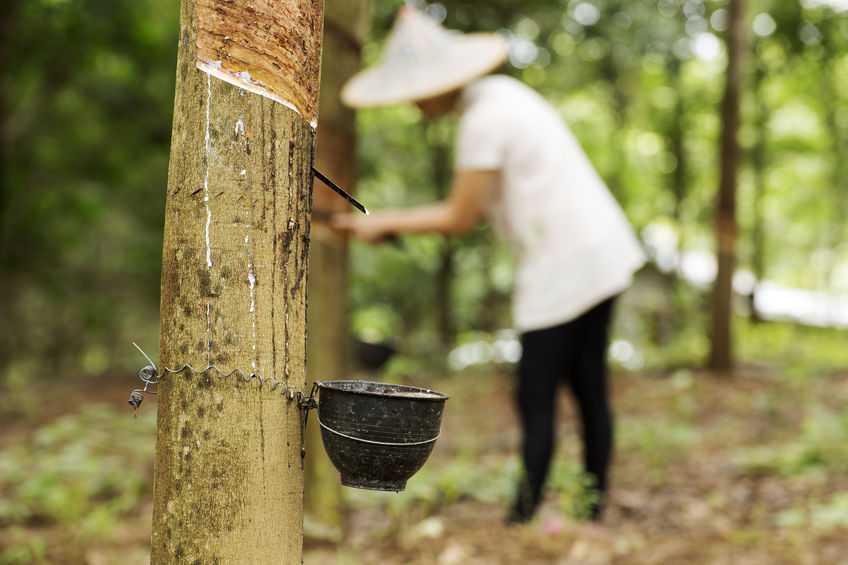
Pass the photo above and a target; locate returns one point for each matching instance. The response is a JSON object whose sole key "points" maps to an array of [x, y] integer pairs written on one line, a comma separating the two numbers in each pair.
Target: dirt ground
{"points": [[679, 493], [700, 477]]}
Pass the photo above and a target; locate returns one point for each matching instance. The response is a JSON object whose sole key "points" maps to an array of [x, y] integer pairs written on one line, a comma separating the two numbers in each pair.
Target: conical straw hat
{"points": [[422, 59]]}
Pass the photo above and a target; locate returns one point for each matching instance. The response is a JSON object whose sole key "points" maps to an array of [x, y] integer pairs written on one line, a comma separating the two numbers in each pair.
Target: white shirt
{"points": [[574, 246]]}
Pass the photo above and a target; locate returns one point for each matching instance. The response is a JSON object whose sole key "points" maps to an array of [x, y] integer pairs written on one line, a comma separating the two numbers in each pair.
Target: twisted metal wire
{"points": [[150, 376]]}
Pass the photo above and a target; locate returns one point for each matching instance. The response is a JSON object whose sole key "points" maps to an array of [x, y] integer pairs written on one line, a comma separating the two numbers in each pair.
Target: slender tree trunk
{"points": [[444, 295], [487, 319], [721, 354], [228, 479], [445, 272], [611, 74], [677, 144], [758, 166], [345, 26], [7, 66], [7, 10], [679, 179], [839, 149]]}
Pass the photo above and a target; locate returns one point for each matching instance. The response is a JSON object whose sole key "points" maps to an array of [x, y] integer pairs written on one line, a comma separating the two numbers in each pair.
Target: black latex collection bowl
{"points": [[378, 435]]}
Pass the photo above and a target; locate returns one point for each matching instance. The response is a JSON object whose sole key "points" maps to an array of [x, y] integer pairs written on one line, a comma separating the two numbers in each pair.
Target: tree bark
{"points": [[7, 11], [758, 169], [721, 353], [345, 27], [611, 74], [677, 139], [446, 271], [839, 148], [679, 187], [228, 479]]}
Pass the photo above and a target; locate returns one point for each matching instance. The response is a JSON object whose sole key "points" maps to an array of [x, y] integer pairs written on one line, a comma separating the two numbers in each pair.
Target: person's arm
{"points": [[454, 215]]}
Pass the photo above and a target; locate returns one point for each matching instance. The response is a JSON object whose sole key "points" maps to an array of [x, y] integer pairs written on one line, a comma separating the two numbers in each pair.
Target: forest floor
{"points": [[708, 470]]}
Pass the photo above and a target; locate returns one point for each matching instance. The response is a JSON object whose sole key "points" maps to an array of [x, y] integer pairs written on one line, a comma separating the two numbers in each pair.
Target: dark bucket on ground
{"points": [[377, 434]]}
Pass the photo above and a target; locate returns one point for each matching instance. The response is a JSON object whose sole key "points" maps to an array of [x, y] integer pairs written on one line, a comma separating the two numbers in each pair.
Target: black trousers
{"points": [[573, 352]]}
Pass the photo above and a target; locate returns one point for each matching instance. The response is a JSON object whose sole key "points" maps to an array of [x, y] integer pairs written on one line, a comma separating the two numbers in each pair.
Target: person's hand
{"points": [[372, 229]]}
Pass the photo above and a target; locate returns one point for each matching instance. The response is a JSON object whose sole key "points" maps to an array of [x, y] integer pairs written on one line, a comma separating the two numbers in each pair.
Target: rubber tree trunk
{"points": [[721, 353], [228, 478], [345, 26]]}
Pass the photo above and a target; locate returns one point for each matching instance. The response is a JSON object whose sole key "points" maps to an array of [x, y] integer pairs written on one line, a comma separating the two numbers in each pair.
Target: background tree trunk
{"points": [[835, 233], [758, 170], [445, 272], [610, 72], [672, 320], [721, 353], [345, 27], [7, 11], [677, 142], [228, 480]]}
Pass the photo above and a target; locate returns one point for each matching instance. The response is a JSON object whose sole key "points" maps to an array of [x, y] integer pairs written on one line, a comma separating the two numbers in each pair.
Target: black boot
{"points": [[526, 501]]}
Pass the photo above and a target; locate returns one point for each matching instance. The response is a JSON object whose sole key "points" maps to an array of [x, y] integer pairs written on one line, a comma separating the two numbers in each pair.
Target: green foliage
{"points": [[85, 114], [86, 109], [576, 490], [819, 450], [801, 351], [437, 485], [88, 90], [664, 439], [23, 548], [823, 517], [490, 480], [641, 91], [80, 473]]}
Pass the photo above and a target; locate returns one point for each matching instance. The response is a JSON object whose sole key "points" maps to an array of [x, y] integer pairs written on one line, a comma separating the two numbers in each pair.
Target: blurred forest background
{"points": [[86, 108], [85, 122]]}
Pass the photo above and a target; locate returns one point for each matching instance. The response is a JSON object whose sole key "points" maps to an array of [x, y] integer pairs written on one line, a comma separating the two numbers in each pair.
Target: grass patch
{"points": [[77, 476]]}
